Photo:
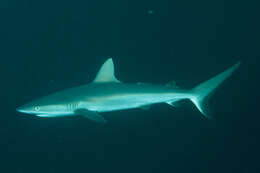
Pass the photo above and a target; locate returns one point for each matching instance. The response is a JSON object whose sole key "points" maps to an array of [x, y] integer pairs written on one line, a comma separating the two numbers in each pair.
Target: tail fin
{"points": [[202, 92]]}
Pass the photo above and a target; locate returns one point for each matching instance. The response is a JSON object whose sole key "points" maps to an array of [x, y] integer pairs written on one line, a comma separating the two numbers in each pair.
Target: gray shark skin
{"points": [[106, 93]]}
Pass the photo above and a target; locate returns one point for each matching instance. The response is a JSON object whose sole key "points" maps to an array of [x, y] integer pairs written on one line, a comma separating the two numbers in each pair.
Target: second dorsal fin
{"points": [[172, 84], [106, 72]]}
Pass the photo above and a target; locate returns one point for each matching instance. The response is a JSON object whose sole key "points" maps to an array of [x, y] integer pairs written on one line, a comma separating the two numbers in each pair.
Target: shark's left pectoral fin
{"points": [[92, 115]]}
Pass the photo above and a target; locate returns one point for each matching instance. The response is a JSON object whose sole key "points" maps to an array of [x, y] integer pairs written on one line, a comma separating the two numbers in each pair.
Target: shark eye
{"points": [[37, 108]]}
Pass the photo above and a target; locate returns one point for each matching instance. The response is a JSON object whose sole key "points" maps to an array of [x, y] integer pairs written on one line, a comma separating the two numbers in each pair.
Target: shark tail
{"points": [[201, 93]]}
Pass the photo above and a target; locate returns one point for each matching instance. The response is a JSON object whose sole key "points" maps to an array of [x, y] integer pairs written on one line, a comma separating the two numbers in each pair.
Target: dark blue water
{"points": [[46, 46]]}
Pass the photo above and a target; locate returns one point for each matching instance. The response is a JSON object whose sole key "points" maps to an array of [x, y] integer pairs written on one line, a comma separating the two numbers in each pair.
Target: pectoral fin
{"points": [[92, 115]]}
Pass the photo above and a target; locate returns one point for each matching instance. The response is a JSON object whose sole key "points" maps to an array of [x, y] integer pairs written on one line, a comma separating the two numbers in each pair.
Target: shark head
{"points": [[45, 107], [29, 109], [65, 102]]}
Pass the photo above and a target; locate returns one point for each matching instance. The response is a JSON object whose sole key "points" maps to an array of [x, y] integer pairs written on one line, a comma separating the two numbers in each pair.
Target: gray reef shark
{"points": [[106, 93]]}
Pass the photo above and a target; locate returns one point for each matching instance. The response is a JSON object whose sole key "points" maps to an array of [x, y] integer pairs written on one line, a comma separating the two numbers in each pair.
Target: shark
{"points": [[106, 93]]}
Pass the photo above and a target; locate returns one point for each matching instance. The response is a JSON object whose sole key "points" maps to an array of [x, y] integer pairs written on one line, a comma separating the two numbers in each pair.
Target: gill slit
{"points": [[72, 106]]}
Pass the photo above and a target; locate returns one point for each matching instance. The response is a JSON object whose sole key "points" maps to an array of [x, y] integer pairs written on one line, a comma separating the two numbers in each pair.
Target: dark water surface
{"points": [[46, 46]]}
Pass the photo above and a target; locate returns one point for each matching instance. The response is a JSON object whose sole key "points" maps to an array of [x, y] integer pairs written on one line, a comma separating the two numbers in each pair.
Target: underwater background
{"points": [[46, 46]]}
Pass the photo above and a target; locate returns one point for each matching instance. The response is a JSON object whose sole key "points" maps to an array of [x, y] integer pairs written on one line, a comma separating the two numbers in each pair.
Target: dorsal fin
{"points": [[106, 72]]}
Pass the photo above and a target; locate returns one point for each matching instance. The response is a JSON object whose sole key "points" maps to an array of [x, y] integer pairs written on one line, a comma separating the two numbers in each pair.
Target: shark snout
{"points": [[21, 109], [25, 109]]}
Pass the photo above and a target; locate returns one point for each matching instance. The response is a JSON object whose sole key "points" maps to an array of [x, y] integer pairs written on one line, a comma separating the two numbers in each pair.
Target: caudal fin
{"points": [[201, 93]]}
